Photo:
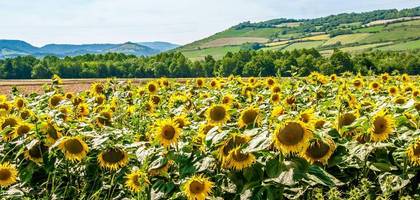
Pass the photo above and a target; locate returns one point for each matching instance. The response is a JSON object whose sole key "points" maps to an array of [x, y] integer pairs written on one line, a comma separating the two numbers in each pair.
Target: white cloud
{"points": [[181, 21]]}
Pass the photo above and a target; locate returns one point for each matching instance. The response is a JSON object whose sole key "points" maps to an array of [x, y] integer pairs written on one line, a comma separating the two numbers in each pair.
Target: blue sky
{"points": [[180, 21]]}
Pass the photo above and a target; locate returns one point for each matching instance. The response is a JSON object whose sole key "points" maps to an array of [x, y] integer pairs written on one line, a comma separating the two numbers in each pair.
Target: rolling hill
{"points": [[13, 48], [387, 30]]}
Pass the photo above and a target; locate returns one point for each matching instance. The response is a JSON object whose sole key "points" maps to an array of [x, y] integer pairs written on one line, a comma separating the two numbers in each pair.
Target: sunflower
{"points": [[413, 152], [319, 123], [205, 128], [8, 127], [82, 110], [167, 132], [238, 160], [290, 100], [197, 188], [6, 106], [319, 151], [23, 128], [346, 119], [276, 88], [149, 107], [382, 126], [307, 116], [100, 99], [65, 113], [249, 116], [229, 144], [199, 82], [8, 174], [252, 80], [25, 113], [52, 131], [104, 118], [214, 84], [97, 89], [392, 90], [385, 77], [77, 101], [155, 99], [136, 181], [74, 148], [152, 87], [333, 77], [400, 100], [270, 82], [69, 95], [55, 100], [358, 83], [227, 99], [182, 121], [417, 106], [291, 137], [405, 78], [275, 98], [113, 158], [20, 103], [35, 153], [218, 114], [277, 112], [375, 86]]}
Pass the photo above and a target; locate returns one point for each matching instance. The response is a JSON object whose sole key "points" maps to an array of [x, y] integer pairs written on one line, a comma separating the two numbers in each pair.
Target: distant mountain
{"points": [[13, 48]]}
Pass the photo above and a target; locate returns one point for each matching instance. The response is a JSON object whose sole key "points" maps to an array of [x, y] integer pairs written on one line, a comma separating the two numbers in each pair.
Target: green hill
{"points": [[388, 30]]}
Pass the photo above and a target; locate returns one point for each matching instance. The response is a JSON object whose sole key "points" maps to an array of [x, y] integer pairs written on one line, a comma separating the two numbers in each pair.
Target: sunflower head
{"points": [[393, 90], [199, 82], [167, 132], [290, 100], [214, 83], [235, 140], [319, 151], [413, 152], [104, 118], [152, 87], [249, 116], [405, 78], [238, 160], [155, 99], [83, 110], [382, 125], [182, 121], [270, 82], [8, 126], [275, 98], [6, 106], [375, 86], [333, 77], [100, 99], [319, 123], [55, 100], [36, 152], [291, 137], [52, 132], [385, 77], [23, 128], [346, 119], [74, 148], [69, 95], [113, 159], [197, 188], [97, 89], [227, 99], [277, 112], [20, 103], [205, 128], [8, 174], [218, 114], [276, 88], [358, 83], [137, 181], [307, 116]]}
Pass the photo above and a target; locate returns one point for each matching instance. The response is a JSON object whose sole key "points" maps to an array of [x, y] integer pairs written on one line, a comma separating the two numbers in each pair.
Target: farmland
{"points": [[258, 138]]}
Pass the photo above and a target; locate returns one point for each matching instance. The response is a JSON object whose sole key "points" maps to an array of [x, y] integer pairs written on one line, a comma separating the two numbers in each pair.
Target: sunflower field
{"points": [[315, 137]]}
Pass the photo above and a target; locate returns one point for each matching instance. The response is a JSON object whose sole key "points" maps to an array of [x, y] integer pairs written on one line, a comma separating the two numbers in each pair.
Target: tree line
{"points": [[243, 63]]}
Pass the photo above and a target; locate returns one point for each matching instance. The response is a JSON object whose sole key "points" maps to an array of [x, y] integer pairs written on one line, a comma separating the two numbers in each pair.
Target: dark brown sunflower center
{"points": [[55, 100], [23, 129], [180, 123], [9, 122], [319, 124], [20, 103], [317, 150], [213, 83], [168, 132], [393, 90], [24, 114], [52, 132], [99, 89], [249, 116], [226, 100], [305, 117], [380, 125], [346, 119], [36, 151], [156, 100], [4, 106], [291, 134], [73, 146], [152, 88], [200, 82], [5, 174], [218, 113], [416, 149], [113, 156], [197, 187], [290, 100], [375, 85], [276, 89], [270, 81], [357, 83], [135, 180], [275, 97], [239, 156]]}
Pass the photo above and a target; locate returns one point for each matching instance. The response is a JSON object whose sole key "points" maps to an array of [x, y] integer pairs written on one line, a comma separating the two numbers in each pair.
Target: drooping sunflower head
{"points": [[74, 148], [8, 125], [182, 121], [400, 100], [319, 151], [20, 103], [6, 106], [113, 159], [100, 99], [36, 152], [205, 128], [52, 132], [358, 83], [291, 137], [8, 174], [319, 123], [155, 99], [235, 140], [78, 100], [23, 128], [55, 100], [238, 160], [413, 152], [104, 118], [199, 82], [83, 110], [382, 125], [346, 119], [218, 114], [197, 188], [249, 116], [152, 87], [65, 112], [167, 132], [97, 89], [137, 181]]}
